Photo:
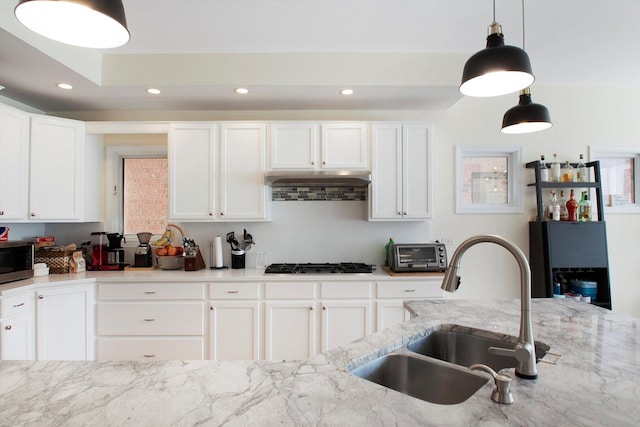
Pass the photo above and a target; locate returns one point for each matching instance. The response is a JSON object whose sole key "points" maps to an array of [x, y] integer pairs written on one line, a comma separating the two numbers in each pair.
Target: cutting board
{"points": [[390, 272]]}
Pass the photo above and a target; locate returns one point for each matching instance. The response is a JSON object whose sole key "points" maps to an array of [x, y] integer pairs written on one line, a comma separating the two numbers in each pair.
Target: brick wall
{"points": [[146, 195]]}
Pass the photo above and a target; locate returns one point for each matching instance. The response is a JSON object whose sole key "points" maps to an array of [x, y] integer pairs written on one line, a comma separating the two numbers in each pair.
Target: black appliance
{"points": [[326, 268], [16, 260]]}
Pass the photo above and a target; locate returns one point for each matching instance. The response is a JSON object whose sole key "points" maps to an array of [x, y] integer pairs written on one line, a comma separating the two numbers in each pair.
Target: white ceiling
{"points": [[297, 54]]}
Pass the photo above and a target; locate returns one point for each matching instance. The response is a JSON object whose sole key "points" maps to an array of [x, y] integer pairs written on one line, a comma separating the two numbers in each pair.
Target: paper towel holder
{"points": [[211, 263]]}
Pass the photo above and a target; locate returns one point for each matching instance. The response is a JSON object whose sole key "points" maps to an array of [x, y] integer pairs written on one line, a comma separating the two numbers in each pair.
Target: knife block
{"points": [[194, 262]]}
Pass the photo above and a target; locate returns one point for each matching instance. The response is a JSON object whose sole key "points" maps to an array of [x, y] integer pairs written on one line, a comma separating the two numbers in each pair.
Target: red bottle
{"points": [[572, 208]]}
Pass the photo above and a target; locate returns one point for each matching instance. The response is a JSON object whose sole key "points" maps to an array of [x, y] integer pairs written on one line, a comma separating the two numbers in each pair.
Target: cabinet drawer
{"points": [[16, 304], [293, 290], [234, 291], [151, 318], [191, 348], [345, 290], [150, 291], [408, 290]]}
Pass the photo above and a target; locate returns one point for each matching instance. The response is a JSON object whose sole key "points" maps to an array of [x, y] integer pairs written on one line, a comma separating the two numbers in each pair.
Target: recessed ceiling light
{"points": [[2, 87], [66, 86], [242, 90], [346, 91], [153, 91]]}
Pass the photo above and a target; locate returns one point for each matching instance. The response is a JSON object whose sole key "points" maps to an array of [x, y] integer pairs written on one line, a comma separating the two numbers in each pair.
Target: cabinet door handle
{"points": [[150, 320], [399, 213], [404, 213], [18, 305], [33, 214], [149, 355], [313, 163], [150, 292], [409, 290], [324, 307], [8, 327], [1, 212], [40, 296], [232, 292], [210, 213], [311, 307], [324, 163], [211, 308]]}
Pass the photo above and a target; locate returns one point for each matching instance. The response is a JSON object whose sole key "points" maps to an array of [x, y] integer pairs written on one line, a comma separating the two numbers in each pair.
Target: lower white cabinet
{"points": [[346, 312], [151, 321], [64, 323], [17, 327], [391, 296], [234, 321]]}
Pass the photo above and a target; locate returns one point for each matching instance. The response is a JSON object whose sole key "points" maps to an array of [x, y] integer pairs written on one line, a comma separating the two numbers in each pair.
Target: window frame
{"points": [[114, 181], [628, 152], [514, 155]]}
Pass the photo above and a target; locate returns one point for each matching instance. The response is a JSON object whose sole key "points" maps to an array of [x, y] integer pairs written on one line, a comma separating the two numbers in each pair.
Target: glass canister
{"points": [[99, 248]]}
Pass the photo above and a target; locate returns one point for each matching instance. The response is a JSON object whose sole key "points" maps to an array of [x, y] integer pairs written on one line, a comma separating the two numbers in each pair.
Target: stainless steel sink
{"points": [[430, 380], [466, 349]]}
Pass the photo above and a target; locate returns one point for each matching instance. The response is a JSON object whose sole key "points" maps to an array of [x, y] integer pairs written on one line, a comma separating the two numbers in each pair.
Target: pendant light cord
{"points": [[494, 10], [522, 24]]}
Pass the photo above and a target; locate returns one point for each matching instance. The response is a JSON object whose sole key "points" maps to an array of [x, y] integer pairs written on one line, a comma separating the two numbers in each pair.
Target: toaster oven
{"points": [[409, 257]]}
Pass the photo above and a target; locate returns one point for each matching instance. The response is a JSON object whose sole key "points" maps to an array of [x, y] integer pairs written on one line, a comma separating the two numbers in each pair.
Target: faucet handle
{"points": [[502, 392]]}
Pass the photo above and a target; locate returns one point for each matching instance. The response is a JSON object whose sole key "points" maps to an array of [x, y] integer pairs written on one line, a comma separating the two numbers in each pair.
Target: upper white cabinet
{"points": [[401, 187], [192, 171], [66, 171], [216, 172], [243, 193], [344, 146], [294, 146], [14, 174]]}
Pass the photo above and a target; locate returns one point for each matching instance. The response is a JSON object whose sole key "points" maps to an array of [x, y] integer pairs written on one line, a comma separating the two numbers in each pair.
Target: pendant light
{"points": [[527, 116], [86, 23], [498, 69]]}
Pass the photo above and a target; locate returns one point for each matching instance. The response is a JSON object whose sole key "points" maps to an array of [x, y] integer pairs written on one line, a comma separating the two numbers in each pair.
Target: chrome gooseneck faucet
{"points": [[524, 351]]}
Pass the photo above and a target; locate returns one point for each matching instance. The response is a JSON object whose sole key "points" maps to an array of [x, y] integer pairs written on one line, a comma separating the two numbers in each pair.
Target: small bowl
{"points": [[170, 262]]}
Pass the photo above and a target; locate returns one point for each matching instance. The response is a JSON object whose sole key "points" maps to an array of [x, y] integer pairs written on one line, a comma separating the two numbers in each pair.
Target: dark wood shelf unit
{"points": [[566, 250]]}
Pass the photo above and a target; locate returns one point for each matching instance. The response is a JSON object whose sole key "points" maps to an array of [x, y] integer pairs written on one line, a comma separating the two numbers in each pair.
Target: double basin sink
{"points": [[434, 368]]}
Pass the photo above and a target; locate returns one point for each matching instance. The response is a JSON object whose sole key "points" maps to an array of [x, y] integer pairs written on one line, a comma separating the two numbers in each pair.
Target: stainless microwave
{"points": [[418, 257], [16, 260]]}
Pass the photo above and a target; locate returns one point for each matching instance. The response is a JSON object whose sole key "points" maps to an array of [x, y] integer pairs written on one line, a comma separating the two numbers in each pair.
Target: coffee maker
{"points": [[115, 254], [144, 254]]}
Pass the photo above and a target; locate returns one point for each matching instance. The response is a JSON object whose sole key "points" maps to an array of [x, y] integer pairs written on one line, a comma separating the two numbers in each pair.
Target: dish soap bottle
{"points": [[386, 250]]}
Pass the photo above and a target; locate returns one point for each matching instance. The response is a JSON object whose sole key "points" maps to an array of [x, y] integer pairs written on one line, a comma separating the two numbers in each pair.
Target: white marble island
{"points": [[596, 383]]}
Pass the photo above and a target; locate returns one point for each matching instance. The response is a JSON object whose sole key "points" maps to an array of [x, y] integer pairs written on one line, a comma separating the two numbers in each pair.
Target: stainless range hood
{"points": [[335, 178]]}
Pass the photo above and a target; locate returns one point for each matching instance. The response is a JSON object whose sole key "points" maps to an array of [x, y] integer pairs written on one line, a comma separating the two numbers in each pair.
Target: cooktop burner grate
{"points": [[326, 268]]}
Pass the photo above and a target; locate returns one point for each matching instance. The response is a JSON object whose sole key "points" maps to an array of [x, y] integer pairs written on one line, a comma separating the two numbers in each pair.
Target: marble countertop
{"points": [[597, 381]]}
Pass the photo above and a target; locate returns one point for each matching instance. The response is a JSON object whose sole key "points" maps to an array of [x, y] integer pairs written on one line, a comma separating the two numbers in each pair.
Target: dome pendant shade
{"points": [[526, 117], [497, 69], [96, 24]]}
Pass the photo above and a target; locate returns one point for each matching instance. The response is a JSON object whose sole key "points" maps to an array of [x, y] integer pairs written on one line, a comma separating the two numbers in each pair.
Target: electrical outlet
{"points": [[446, 240]]}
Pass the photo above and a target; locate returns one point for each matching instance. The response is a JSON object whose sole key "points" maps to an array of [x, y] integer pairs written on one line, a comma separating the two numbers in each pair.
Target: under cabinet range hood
{"points": [[335, 178]]}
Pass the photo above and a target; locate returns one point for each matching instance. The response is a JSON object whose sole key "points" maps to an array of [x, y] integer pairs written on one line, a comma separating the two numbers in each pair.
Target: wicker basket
{"points": [[57, 261]]}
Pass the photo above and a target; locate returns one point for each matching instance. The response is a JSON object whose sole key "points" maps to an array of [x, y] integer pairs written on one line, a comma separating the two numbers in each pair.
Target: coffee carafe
{"points": [[116, 252], [99, 250], [144, 255]]}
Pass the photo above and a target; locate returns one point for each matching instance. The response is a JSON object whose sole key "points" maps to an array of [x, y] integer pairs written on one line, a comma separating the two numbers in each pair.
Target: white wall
{"points": [[332, 231]]}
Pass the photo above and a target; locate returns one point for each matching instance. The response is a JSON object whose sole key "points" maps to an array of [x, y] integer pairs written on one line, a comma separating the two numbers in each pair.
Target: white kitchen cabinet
{"points": [[151, 321], [401, 187], [65, 323], [192, 171], [391, 296], [290, 329], [344, 146], [234, 321], [216, 172], [14, 154], [17, 327], [293, 146], [344, 321], [243, 193]]}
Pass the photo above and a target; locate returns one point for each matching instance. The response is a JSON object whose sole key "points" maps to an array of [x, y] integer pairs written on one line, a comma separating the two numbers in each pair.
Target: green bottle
{"points": [[386, 251]]}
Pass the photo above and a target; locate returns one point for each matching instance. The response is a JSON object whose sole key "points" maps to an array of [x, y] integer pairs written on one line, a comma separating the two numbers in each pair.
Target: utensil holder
{"points": [[237, 259]]}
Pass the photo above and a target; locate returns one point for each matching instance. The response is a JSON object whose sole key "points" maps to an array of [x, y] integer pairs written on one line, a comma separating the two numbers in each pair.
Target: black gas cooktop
{"points": [[327, 268]]}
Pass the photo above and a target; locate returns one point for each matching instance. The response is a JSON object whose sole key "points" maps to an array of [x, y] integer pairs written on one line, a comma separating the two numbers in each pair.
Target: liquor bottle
{"points": [[554, 172], [386, 250], [564, 214], [544, 170], [572, 208], [584, 208], [554, 208], [567, 172], [582, 173]]}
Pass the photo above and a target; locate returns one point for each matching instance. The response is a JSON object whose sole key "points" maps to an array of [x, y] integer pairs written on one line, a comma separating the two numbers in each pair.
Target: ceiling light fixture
{"points": [[346, 92], [527, 116], [97, 24], [65, 86], [242, 90], [498, 69], [153, 91]]}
